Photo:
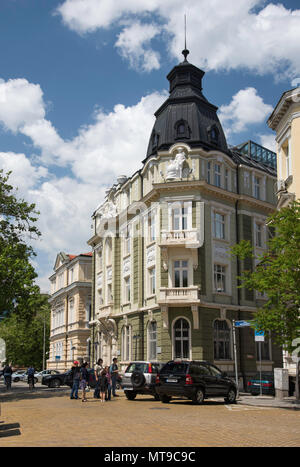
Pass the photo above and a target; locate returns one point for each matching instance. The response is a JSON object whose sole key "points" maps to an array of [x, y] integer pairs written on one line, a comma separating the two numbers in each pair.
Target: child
{"points": [[103, 384]]}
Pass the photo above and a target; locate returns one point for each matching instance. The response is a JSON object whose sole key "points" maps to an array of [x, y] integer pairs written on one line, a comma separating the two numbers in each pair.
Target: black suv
{"points": [[194, 380]]}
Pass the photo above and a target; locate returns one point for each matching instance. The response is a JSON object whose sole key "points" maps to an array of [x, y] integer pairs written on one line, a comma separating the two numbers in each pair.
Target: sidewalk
{"points": [[268, 401]]}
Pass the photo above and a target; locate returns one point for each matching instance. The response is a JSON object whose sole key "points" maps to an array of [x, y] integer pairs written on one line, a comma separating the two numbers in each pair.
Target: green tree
{"points": [[17, 228], [277, 275], [26, 332]]}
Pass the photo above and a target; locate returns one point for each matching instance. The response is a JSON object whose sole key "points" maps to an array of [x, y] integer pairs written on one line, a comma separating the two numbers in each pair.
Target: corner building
{"points": [[164, 283]]}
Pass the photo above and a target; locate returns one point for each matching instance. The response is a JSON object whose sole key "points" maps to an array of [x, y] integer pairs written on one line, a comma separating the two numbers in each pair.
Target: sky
{"points": [[80, 81]]}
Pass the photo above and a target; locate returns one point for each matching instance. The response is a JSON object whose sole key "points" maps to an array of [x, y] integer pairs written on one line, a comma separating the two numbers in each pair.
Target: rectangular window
{"points": [[258, 235], [217, 178], [71, 276], [71, 311], [265, 350], [226, 179], [109, 293], [127, 289], [257, 188], [219, 226], [220, 278], [127, 242], [208, 172], [152, 282], [181, 272], [151, 227], [180, 218]]}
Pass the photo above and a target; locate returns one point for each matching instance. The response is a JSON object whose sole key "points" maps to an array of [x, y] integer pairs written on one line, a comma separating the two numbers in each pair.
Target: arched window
{"points": [[155, 140], [126, 343], [222, 340], [213, 134], [152, 340], [181, 339], [182, 130]]}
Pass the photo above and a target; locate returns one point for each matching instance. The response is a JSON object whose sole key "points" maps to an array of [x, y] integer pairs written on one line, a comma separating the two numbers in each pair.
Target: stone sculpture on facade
{"points": [[175, 167]]}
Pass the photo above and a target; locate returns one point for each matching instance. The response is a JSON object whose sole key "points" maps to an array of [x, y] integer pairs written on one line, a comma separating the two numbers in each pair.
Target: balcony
{"points": [[179, 296], [183, 238], [104, 311]]}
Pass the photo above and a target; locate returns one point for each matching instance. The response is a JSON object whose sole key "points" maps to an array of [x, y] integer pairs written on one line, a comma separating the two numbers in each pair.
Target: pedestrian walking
{"points": [[98, 370], [75, 377], [84, 380], [103, 384], [30, 377], [114, 372], [108, 391], [7, 372]]}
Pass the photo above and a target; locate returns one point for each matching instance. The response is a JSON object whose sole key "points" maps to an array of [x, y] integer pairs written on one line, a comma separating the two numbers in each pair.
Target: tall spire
{"points": [[185, 52]]}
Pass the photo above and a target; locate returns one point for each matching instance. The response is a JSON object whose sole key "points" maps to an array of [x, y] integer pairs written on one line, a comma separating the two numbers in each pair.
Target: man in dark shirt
{"points": [[7, 372], [114, 371], [75, 375]]}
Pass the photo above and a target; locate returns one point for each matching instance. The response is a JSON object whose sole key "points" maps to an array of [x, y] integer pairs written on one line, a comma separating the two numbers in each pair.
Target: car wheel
{"points": [[55, 383], [16, 380], [165, 399], [231, 396], [198, 397], [130, 395]]}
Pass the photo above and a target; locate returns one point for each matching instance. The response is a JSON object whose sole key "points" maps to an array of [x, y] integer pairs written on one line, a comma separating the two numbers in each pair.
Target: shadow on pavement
{"points": [[41, 393], [9, 429]]}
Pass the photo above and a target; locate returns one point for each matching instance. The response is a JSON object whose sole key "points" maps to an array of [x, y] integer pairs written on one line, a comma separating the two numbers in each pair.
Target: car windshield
{"points": [[175, 367], [137, 366]]}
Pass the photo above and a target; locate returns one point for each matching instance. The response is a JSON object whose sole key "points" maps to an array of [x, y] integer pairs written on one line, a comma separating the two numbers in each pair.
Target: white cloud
{"points": [[24, 175], [268, 141], [21, 103], [246, 108], [134, 45], [221, 35]]}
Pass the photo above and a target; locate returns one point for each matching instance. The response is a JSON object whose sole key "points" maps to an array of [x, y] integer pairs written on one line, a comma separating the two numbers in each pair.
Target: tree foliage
{"points": [[277, 275], [23, 332], [17, 228]]}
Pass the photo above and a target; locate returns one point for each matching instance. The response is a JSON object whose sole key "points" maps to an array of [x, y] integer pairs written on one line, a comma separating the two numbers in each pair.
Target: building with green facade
{"points": [[164, 282]]}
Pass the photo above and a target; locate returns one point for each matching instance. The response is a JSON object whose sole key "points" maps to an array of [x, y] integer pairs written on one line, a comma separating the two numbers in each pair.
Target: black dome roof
{"points": [[186, 116]]}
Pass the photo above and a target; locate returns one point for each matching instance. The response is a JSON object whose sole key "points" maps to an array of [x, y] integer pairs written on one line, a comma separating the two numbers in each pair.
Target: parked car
{"points": [[43, 373], [266, 382], [18, 376], [65, 379], [139, 378], [194, 380]]}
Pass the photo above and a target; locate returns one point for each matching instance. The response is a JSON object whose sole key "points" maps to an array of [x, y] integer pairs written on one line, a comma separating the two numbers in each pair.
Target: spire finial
{"points": [[185, 52]]}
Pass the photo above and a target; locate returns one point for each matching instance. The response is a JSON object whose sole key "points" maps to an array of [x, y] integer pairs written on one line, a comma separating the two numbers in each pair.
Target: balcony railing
{"points": [[187, 238], [179, 295]]}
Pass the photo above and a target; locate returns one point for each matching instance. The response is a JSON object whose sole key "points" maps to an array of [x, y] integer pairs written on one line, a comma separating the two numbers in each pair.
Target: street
{"points": [[49, 418]]}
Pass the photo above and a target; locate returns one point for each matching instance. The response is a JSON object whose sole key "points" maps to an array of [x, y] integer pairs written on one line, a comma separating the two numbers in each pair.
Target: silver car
{"points": [[139, 378]]}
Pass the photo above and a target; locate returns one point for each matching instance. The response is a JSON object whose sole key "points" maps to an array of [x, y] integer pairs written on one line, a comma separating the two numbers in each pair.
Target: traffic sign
{"points": [[241, 324], [259, 336]]}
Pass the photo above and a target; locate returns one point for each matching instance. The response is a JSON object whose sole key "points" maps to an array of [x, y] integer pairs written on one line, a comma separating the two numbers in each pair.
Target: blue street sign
{"points": [[241, 324], [259, 336]]}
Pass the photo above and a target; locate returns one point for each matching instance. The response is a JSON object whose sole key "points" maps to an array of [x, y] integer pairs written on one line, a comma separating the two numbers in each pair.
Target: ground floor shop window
{"points": [[181, 339], [222, 340]]}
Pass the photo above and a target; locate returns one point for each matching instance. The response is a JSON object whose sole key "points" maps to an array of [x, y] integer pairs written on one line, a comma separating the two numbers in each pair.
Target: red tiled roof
{"points": [[81, 254]]}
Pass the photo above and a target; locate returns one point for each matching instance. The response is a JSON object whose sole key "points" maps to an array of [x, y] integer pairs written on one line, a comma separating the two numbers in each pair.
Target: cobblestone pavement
{"points": [[52, 419]]}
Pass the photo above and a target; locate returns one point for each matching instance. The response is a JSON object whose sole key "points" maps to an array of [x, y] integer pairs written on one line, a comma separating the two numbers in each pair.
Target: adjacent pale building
{"points": [[70, 310], [164, 282], [285, 121]]}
